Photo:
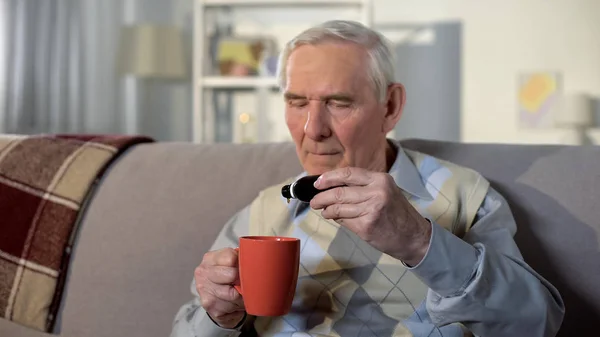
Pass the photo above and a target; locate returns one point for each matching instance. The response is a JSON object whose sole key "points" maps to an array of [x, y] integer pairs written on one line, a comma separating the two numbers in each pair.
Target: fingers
{"points": [[214, 278], [342, 195], [222, 275], [227, 257], [217, 273], [225, 313], [213, 292], [221, 292], [344, 176], [219, 267], [342, 211]]}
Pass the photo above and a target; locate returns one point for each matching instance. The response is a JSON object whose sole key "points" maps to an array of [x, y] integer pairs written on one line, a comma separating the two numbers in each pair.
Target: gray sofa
{"points": [[161, 205]]}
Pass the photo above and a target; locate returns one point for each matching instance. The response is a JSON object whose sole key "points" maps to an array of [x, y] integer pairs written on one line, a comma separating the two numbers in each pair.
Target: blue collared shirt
{"points": [[480, 280]]}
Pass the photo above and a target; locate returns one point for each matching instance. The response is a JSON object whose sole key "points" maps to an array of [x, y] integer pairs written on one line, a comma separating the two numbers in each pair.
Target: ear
{"points": [[394, 104]]}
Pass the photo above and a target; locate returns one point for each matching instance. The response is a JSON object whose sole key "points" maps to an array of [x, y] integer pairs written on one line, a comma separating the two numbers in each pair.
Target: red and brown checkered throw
{"points": [[44, 181]]}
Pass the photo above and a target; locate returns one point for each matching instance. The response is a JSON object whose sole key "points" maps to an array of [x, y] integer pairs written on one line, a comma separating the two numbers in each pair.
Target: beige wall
{"points": [[502, 38]]}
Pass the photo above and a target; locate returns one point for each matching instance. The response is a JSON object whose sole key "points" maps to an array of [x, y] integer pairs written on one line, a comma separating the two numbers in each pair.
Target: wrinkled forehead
{"points": [[327, 67]]}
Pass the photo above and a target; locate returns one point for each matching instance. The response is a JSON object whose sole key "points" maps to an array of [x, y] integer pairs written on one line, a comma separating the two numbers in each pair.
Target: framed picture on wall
{"points": [[538, 99]]}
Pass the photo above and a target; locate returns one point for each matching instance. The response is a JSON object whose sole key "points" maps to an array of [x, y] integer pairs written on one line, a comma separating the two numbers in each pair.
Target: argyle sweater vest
{"points": [[345, 284]]}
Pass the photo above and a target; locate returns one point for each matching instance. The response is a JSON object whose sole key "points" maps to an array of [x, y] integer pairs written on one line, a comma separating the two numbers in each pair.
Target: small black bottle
{"points": [[302, 189]]}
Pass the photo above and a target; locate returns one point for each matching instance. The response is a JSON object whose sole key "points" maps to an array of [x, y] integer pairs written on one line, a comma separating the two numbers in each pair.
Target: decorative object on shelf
{"points": [[538, 95], [246, 128], [236, 57], [575, 117], [152, 51], [243, 55], [268, 66]]}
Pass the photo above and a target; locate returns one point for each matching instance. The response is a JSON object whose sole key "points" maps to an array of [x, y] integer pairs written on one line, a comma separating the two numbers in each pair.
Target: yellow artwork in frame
{"points": [[538, 95]]}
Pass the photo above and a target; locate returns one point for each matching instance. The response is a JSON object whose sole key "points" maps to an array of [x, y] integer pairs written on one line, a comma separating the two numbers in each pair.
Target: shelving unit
{"points": [[238, 82], [282, 2], [203, 125]]}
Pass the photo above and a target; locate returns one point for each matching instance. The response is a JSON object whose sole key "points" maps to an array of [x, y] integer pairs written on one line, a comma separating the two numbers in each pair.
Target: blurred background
{"points": [[495, 71]]}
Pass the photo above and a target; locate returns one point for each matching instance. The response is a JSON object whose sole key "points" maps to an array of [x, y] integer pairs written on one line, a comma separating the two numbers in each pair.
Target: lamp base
{"points": [[575, 136]]}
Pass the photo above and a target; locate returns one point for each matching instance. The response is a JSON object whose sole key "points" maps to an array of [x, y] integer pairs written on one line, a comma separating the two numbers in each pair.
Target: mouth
{"points": [[324, 153]]}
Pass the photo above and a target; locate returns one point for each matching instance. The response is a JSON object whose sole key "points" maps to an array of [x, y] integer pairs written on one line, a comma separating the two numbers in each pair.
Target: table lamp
{"points": [[575, 116], [151, 51], [148, 52]]}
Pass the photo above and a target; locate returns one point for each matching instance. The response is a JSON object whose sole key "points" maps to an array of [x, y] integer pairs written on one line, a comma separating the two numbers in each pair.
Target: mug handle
{"points": [[236, 285]]}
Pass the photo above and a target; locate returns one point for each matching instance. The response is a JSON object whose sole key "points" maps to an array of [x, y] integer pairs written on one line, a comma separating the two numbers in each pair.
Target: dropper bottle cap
{"points": [[302, 189], [286, 192]]}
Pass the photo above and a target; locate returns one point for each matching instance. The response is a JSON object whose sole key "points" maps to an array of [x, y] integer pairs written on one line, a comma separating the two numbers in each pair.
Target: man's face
{"points": [[332, 112]]}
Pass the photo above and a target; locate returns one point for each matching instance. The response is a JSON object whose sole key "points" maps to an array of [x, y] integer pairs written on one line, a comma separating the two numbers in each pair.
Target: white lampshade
{"points": [[575, 111], [151, 51]]}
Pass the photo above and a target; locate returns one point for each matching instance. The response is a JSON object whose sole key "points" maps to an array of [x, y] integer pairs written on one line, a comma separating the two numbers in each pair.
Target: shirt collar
{"points": [[407, 176]]}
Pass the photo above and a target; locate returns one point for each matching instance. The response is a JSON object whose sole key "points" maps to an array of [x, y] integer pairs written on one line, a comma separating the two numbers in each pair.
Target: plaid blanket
{"points": [[44, 181]]}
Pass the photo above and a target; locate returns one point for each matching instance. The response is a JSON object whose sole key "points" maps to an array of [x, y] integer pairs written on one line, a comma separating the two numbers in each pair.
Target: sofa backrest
{"points": [[554, 194], [161, 206], [154, 215]]}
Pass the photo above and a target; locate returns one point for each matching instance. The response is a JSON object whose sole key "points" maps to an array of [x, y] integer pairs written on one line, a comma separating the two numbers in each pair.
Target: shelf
{"points": [[207, 127], [257, 3], [239, 82]]}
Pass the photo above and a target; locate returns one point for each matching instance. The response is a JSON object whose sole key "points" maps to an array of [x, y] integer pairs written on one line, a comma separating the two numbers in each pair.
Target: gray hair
{"points": [[381, 58]]}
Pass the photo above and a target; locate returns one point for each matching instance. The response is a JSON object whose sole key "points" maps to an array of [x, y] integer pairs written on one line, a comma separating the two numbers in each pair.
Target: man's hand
{"points": [[215, 277], [373, 206]]}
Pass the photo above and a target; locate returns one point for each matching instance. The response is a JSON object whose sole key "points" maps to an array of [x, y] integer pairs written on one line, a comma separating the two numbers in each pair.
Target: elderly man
{"points": [[410, 245]]}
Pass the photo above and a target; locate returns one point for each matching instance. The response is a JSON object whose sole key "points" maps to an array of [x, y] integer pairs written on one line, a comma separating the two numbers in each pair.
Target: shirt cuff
{"points": [[449, 263], [207, 325]]}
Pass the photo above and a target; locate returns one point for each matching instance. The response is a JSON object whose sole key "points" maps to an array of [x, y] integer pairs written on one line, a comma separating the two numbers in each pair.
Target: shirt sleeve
{"points": [[192, 320], [483, 282]]}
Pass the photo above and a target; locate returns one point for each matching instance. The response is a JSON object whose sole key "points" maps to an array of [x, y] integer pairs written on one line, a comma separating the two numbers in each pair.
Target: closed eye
{"points": [[297, 103], [339, 104]]}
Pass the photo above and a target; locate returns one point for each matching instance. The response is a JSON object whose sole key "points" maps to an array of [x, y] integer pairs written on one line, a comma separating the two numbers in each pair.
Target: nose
{"points": [[317, 122]]}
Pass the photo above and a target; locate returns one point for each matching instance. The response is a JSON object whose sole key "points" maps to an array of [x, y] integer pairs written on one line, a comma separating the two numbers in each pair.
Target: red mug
{"points": [[268, 268]]}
